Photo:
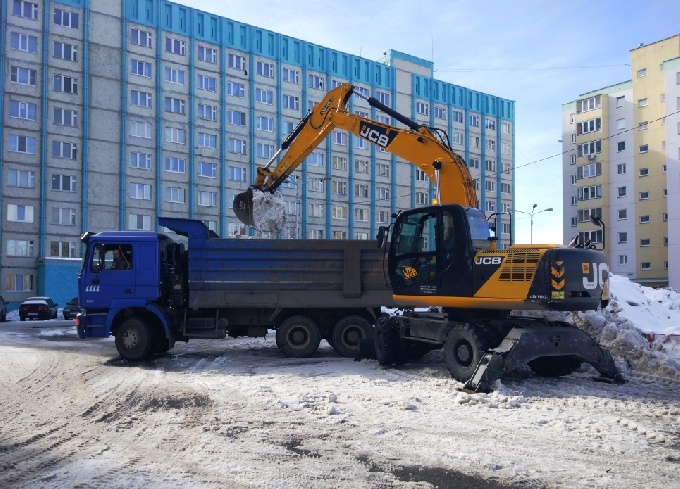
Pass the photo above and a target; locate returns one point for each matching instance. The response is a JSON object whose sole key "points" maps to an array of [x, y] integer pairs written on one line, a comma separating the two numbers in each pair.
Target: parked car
{"points": [[71, 309], [38, 308], [3, 309]]}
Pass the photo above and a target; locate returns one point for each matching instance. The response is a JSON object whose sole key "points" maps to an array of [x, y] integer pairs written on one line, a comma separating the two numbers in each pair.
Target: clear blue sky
{"points": [[541, 54]]}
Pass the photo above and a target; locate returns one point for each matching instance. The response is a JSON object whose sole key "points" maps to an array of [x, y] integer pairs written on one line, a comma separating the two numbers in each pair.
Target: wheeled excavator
{"points": [[456, 290]]}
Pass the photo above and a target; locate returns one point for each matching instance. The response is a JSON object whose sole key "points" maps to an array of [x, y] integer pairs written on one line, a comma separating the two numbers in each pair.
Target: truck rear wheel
{"points": [[348, 333], [134, 340], [298, 336], [464, 348]]}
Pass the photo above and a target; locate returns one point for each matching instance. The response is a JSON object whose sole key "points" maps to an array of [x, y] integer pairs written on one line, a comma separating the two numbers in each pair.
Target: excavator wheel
{"points": [[463, 349], [554, 366], [386, 339]]}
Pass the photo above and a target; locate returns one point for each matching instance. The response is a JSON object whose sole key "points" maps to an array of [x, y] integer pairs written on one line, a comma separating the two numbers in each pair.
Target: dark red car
{"points": [[38, 308]]}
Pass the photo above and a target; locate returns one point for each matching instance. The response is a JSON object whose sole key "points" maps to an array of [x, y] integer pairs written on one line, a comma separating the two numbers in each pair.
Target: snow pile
{"points": [[635, 313], [268, 212]]}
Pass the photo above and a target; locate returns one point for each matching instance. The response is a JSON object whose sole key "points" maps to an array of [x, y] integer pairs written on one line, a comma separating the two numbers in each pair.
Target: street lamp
{"points": [[531, 214]]}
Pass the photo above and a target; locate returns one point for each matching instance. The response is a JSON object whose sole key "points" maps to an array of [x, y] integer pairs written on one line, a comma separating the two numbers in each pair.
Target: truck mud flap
{"points": [[524, 344]]}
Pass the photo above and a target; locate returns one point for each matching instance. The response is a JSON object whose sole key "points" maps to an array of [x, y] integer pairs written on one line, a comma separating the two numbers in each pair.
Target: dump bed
{"points": [[271, 273]]}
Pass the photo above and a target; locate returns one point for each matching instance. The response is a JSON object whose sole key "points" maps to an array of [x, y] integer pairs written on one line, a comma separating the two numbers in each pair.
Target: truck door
{"points": [[110, 275]]}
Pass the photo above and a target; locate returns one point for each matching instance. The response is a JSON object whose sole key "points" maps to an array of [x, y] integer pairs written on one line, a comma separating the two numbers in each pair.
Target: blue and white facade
{"points": [[117, 112]]}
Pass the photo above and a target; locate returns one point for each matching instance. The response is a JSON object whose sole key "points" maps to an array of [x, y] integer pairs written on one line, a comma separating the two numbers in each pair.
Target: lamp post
{"points": [[531, 215]]}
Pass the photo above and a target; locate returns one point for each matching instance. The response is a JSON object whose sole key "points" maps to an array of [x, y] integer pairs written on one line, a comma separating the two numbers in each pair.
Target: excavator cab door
{"points": [[428, 252]]}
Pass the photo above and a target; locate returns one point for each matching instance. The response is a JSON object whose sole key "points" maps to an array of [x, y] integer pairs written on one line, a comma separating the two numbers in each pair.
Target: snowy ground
{"points": [[238, 414]]}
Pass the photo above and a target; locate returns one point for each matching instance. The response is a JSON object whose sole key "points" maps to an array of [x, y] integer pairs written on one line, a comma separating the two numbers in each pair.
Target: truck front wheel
{"points": [[348, 333], [134, 340], [298, 336]]}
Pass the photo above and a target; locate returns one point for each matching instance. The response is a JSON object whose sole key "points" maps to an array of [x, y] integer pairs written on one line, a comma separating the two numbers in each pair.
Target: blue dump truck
{"points": [[149, 290]]}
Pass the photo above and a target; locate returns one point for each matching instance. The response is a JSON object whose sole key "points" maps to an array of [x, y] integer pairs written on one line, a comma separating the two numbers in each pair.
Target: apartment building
{"points": [[117, 112], [620, 161]]}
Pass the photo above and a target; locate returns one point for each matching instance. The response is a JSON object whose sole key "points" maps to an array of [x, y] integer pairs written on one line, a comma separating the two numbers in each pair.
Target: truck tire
{"points": [[348, 333], [386, 340], [134, 340], [298, 336], [463, 349], [554, 366]]}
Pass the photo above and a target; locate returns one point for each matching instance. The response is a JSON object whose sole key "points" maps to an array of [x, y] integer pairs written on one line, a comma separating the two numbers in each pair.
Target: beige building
{"points": [[620, 161]]}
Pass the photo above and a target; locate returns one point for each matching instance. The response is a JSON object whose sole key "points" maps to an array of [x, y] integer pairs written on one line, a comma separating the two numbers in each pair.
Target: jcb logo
{"points": [[600, 275], [374, 136], [488, 260]]}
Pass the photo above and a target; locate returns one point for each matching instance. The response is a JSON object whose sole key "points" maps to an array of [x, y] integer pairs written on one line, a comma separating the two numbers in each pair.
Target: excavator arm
{"points": [[426, 148]]}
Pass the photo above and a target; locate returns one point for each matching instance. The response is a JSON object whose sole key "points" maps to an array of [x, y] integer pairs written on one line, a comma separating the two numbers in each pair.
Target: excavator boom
{"points": [[426, 148]]}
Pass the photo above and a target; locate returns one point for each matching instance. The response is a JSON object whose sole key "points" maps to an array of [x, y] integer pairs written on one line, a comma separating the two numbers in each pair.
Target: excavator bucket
{"points": [[243, 207], [263, 211]]}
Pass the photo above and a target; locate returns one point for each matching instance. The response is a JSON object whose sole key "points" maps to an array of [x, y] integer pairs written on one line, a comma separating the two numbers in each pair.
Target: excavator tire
{"points": [[386, 339], [554, 366], [464, 347]]}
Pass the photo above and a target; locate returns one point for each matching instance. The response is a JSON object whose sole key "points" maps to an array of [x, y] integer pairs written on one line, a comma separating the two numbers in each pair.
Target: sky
{"points": [[540, 54]]}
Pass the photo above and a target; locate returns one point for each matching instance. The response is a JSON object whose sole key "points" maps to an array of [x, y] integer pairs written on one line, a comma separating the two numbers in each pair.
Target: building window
{"points": [[208, 83], [141, 191], [236, 89], [175, 135], [621, 191], [236, 118], [642, 126], [65, 216], [62, 50], [140, 68], [644, 195], [339, 163], [22, 8], [175, 105], [22, 110], [457, 116], [422, 198], [422, 108], [642, 73], [209, 55], [65, 84], [574, 222], [621, 169], [383, 97], [21, 178], [65, 117], [621, 146], [474, 120], [291, 76], [338, 188], [264, 150], [19, 282], [644, 148], [588, 104], [63, 183], [20, 213], [642, 102], [207, 112], [665, 216], [265, 123], [175, 46], [205, 140], [265, 69], [24, 42], [176, 195], [237, 146], [175, 164], [439, 112], [206, 169], [206, 198], [619, 101], [139, 222], [23, 76], [646, 265], [174, 75], [645, 242], [140, 129], [264, 96], [622, 214], [339, 137], [140, 99], [623, 259], [21, 144], [16, 247], [591, 125], [644, 219], [622, 237], [140, 160], [65, 18], [505, 127], [140, 37], [237, 174], [236, 61], [339, 212]]}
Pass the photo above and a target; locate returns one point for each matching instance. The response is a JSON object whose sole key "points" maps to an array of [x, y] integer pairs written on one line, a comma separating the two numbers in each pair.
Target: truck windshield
{"points": [[479, 229]]}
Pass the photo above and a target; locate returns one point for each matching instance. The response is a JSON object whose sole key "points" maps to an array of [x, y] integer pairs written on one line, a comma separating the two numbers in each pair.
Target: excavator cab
{"points": [[431, 250]]}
